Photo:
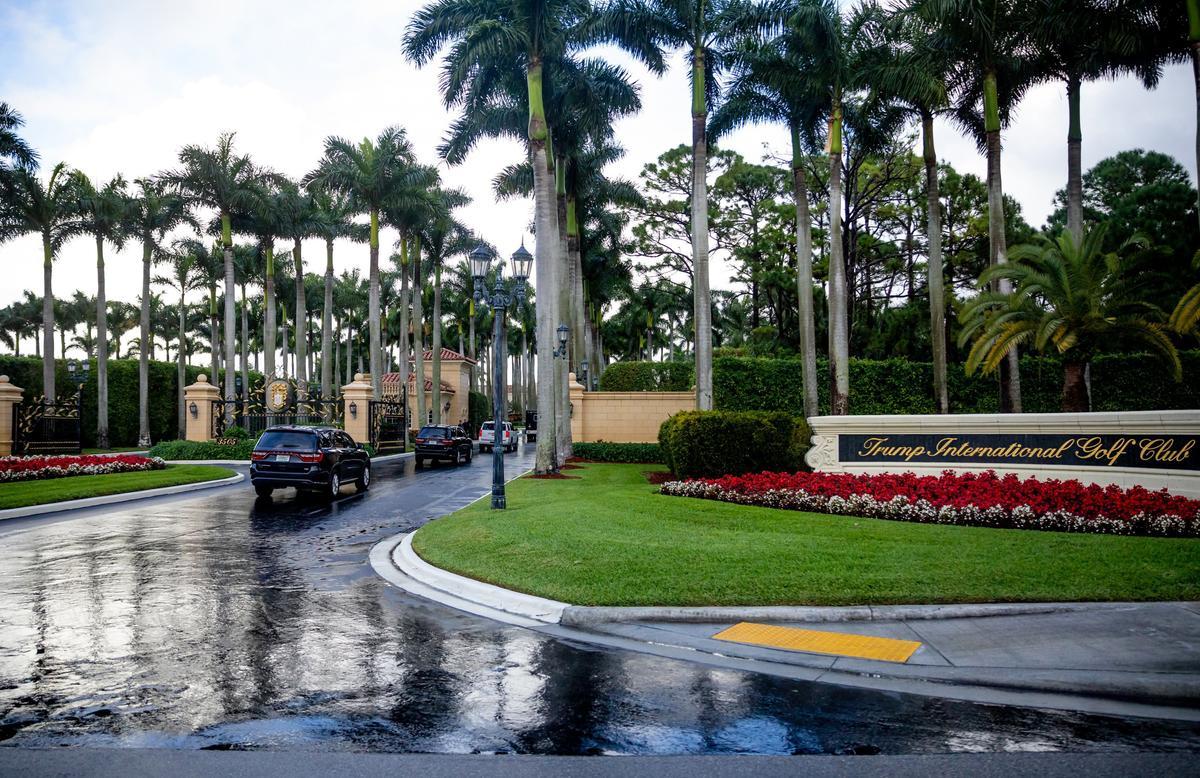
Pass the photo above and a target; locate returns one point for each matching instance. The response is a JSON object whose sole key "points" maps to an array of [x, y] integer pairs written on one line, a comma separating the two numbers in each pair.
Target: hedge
{"points": [[479, 410], [647, 377], [26, 372], [603, 451], [189, 449], [708, 444]]}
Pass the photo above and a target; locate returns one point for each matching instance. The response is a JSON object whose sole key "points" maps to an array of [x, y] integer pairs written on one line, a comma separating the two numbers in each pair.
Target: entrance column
{"points": [[198, 401], [10, 398], [356, 399]]}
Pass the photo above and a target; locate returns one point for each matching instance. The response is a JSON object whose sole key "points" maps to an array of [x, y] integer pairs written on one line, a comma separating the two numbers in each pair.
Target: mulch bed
{"points": [[552, 476], [658, 477], [570, 466]]}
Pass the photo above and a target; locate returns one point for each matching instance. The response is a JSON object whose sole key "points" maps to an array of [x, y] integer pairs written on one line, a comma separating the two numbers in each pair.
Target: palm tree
{"points": [[1069, 298], [297, 221], [247, 266], [105, 215], [187, 275], [332, 220], [154, 212], [989, 42], [905, 70], [13, 149], [221, 179], [771, 81], [48, 210], [444, 237], [374, 175]]}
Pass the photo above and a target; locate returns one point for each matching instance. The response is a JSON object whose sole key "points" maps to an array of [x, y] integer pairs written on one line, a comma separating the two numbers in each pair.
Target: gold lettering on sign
{"points": [[1089, 450], [1163, 450], [875, 447], [1094, 448]]}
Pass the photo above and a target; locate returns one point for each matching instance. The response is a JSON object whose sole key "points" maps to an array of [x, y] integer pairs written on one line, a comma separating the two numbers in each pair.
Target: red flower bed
{"points": [[984, 499], [41, 468]]}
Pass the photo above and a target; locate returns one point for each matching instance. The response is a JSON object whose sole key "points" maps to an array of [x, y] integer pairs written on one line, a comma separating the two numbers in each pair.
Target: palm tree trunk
{"points": [[214, 333], [376, 357], [545, 219], [562, 397], [839, 336], [245, 352], [418, 315], [1193, 12], [283, 337], [1010, 372], [301, 321], [269, 326], [702, 301], [804, 278], [405, 365], [937, 294], [575, 261], [471, 345], [1074, 392], [527, 367], [144, 354], [181, 366], [1074, 164], [48, 364], [230, 315], [327, 326], [436, 346], [102, 349]]}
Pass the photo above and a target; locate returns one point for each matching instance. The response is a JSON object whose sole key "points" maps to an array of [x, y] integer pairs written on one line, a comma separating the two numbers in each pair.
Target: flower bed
{"points": [[976, 499], [41, 468]]}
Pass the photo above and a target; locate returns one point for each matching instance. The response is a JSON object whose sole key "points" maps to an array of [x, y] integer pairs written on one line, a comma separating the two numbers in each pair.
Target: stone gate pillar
{"points": [[10, 398], [576, 394], [198, 409], [356, 400]]}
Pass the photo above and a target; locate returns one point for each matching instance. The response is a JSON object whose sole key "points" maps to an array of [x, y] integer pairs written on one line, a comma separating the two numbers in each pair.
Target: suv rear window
{"points": [[432, 432], [292, 441]]}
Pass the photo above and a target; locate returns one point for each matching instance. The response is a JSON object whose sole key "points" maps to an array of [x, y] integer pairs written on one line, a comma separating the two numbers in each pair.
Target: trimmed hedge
{"points": [[633, 453], [647, 377], [479, 410], [26, 372], [188, 449], [709, 444]]}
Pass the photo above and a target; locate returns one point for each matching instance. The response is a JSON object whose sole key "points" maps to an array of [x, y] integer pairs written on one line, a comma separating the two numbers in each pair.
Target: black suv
{"points": [[316, 459], [443, 442]]}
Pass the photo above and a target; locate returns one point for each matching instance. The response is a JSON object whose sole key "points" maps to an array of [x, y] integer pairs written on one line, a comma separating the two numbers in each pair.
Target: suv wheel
{"points": [[263, 490], [335, 485], [364, 481], [469, 452]]}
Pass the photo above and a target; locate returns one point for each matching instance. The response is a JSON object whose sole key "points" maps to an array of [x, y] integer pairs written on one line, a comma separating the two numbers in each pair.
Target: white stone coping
{"points": [[109, 499], [396, 561]]}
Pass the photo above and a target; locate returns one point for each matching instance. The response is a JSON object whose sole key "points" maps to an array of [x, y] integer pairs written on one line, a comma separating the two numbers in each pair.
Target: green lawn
{"points": [[23, 493], [608, 539]]}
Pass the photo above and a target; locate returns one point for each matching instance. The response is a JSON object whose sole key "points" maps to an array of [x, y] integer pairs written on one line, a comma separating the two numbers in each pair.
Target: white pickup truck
{"points": [[487, 437]]}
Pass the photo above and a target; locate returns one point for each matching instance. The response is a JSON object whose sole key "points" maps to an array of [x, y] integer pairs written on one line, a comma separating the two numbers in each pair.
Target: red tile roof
{"points": [[448, 355], [391, 379]]}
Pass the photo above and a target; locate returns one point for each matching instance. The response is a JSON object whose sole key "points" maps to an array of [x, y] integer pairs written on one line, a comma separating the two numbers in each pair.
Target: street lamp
{"points": [[78, 375], [563, 332], [499, 299], [583, 365]]}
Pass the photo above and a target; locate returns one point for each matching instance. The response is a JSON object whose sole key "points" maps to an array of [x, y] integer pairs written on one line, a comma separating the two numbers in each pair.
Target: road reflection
{"points": [[224, 622]]}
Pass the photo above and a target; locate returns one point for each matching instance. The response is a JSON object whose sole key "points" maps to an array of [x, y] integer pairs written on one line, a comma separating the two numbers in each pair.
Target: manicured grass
{"points": [[23, 493], [606, 538]]}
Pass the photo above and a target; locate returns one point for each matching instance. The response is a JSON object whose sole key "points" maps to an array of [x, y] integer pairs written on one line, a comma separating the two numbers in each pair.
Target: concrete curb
{"points": [[110, 499]]}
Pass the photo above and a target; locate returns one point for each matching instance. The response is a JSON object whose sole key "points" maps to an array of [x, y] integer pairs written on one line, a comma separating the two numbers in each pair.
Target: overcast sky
{"points": [[119, 87]]}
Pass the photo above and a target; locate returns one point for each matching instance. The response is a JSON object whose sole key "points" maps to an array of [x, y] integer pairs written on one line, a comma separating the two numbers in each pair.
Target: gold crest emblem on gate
{"points": [[276, 395]]}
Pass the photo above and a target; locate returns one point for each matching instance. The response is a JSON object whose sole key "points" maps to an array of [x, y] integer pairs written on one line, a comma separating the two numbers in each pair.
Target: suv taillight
{"points": [[258, 456], [317, 457]]}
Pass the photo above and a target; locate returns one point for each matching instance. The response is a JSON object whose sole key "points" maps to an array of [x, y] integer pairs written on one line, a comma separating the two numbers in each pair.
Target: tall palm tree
{"points": [[247, 267], [989, 41], [155, 211], [13, 149], [374, 175], [297, 221], [1071, 299], [49, 210], [186, 258], [444, 238], [105, 215], [772, 80], [905, 70], [332, 221], [221, 179]]}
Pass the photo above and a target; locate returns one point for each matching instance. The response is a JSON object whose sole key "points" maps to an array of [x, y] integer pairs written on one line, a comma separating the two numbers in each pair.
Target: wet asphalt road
{"points": [[218, 621]]}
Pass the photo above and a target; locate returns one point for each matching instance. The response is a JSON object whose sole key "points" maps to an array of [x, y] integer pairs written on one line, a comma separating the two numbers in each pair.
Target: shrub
{"points": [[647, 377], [714, 443], [602, 451], [479, 410], [191, 450], [972, 499]]}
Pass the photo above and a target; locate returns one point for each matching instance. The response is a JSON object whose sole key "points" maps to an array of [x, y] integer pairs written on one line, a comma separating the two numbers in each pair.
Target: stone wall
{"points": [[623, 417]]}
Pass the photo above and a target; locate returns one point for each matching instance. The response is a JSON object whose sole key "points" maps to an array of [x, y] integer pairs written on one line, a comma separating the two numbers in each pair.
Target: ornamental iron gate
{"points": [[387, 422], [281, 401], [42, 427]]}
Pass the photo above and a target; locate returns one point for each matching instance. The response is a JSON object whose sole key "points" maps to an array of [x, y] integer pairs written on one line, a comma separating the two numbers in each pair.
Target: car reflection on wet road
{"points": [[215, 621]]}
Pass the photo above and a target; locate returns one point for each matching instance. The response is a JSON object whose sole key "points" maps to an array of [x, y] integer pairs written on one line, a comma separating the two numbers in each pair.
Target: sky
{"points": [[120, 87]]}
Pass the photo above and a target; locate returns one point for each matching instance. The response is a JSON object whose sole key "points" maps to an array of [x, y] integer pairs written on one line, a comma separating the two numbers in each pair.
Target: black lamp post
{"points": [[77, 375], [584, 369], [499, 300]]}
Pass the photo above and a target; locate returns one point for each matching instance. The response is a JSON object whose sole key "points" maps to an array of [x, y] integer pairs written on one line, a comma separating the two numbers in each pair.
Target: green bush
{"points": [[707, 444], [603, 451], [1120, 382], [647, 377], [191, 450], [26, 372], [479, 410]]}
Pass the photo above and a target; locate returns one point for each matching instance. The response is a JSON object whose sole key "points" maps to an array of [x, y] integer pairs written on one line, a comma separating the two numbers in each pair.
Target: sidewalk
{"points": [[1130, 659]]}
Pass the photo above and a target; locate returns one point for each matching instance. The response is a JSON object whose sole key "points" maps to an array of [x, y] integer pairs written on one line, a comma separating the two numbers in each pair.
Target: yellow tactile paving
{"points": [[814, 641]]}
